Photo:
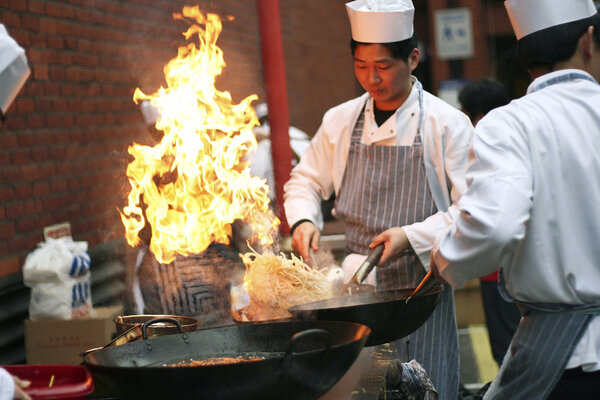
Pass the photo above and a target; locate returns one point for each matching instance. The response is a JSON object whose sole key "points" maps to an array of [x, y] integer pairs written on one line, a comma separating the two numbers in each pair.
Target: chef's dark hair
{"points": [[400, 50], [480, 97], [548, 46]]}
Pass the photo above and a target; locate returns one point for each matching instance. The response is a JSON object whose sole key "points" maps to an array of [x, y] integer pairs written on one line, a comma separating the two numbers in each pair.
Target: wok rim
{"points": [[313, 306], [359, 327]]}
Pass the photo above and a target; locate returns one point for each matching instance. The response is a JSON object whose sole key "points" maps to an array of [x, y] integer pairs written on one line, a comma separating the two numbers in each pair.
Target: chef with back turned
{"points": [[395, 156], [532, 206]]}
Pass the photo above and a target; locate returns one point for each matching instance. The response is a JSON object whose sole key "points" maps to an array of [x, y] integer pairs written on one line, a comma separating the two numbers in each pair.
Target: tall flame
{"points": [[191, 186]]}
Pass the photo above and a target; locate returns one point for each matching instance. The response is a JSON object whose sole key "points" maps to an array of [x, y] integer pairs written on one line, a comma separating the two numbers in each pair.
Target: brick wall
{"points": [[63, 148], [488, 19]]}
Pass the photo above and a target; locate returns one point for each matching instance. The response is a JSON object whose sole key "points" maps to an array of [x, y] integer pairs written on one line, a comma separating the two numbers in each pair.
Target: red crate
{"points": [[69, 382]]}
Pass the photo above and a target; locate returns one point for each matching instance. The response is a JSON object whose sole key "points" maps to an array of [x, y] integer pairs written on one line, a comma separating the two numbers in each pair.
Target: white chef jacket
{"points": [[532, 204], [446, 139], [261, 160]]}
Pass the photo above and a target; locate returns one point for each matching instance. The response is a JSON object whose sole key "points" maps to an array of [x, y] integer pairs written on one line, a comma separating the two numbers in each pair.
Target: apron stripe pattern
{"points": [[383, 187], [440, 354], [538, 355]]}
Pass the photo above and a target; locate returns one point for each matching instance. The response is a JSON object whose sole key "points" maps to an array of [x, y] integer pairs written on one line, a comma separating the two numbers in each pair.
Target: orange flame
{"points": [[191, 186]]}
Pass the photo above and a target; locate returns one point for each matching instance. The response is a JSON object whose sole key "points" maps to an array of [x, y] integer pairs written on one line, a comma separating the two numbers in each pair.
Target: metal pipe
{"points": [[275, 82]]}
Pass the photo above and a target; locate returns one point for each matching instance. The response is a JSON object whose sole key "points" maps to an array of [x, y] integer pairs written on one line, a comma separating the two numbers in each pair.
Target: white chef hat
{"points": [[149, 112], [262, 110], [381, 21], [529, 16], [14, 70]]}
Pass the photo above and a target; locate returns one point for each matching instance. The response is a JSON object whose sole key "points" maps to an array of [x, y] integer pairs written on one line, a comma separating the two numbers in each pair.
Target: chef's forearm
{"points": [[421, 235]]}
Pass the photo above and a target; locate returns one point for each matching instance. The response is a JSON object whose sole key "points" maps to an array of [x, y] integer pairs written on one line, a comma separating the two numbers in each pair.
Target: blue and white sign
{"points": [[453, 34]]}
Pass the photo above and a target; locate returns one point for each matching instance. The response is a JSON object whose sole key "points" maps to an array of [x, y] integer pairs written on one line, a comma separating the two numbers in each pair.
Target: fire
{"points": [[191, 186]]}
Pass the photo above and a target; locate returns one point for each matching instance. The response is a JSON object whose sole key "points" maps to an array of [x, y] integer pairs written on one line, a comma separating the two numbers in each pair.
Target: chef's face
{"points": [[387, 79]]}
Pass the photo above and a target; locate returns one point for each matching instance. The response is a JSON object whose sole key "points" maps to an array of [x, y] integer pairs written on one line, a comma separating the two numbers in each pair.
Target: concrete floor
{"points": [[477, 366]]}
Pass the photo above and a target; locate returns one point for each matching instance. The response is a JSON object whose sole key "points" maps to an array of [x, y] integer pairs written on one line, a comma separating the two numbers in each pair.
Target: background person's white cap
{"points": [[529, 16], [14, 70], [262, 110], [381, 21], [149, 112]]}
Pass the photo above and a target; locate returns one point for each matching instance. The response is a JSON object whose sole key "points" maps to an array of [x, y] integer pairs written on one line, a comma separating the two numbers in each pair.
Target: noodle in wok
{"points": [[276, 283]]}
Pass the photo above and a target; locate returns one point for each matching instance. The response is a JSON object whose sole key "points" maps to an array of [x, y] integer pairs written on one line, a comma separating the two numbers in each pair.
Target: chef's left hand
{"points": [[395, 242], [434, 268]]}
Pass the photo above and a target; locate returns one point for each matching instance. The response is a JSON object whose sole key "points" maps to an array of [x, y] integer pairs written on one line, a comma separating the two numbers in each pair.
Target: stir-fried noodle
{"points": [[276, 283]]}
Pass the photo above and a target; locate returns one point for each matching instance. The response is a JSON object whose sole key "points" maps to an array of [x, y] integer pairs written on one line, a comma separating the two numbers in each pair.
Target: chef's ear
{"points": [[413, 59], [587, 44]]}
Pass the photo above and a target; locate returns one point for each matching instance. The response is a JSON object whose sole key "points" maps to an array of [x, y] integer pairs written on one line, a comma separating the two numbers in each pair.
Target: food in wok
{"points": [[275, 283]]}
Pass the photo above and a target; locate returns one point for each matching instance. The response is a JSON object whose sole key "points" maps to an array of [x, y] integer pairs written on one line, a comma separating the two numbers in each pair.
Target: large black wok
{"points": [[387, 313], [302, 360]]}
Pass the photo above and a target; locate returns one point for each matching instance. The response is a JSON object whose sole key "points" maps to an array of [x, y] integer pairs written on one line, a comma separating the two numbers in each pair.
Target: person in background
{"points": [[501, 317], [477, 98], [14, 71], [395, 156], [261, 163], [532, 206]]}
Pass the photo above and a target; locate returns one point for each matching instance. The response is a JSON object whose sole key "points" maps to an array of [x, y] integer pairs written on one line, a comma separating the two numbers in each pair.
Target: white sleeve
{"points": [[310, 182], [493, 213], [7, 385], [455, 140]]}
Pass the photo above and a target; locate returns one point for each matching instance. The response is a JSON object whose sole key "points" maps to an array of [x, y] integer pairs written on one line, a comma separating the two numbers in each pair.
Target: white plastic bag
{"points": [[58, 274]]}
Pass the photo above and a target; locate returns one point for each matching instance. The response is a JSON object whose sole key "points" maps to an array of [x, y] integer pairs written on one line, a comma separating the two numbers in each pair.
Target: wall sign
{"points": [[453, 34]]}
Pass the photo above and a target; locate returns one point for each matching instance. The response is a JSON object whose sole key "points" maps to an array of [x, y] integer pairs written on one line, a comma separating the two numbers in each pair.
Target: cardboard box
{"points": [[55, 341]]}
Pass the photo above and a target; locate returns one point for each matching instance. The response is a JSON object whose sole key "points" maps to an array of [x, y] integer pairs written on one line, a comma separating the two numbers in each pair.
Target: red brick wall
{"points": [[488, 19], [63, 148]]}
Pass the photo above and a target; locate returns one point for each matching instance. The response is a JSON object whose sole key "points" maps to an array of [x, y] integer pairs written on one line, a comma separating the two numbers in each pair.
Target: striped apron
{"points": [[546, 337], [383, 187]]}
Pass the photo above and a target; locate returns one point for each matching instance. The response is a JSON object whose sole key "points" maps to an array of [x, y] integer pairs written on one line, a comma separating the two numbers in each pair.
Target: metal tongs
{"points": [[355, 284], [425, 286]]}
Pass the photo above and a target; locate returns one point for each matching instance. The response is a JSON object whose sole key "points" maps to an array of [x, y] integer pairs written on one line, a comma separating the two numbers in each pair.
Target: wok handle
{"points": [[426, 285], [367, 266], [155, 320], [296, 338]]}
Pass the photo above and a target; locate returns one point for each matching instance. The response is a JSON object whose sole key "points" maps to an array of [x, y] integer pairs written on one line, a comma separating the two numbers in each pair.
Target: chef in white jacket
{"points": [[395, 156], [14, 71], [533, 206]]}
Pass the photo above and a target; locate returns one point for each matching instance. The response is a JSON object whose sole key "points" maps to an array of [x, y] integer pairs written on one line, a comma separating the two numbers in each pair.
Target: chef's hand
{"points": [[19, 386], [395, 242], [436, 272], [306, 236]]}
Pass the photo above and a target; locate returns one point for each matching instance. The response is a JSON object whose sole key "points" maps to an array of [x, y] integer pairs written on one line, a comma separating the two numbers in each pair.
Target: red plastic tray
{"points": [[69, 382]]}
